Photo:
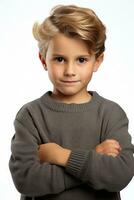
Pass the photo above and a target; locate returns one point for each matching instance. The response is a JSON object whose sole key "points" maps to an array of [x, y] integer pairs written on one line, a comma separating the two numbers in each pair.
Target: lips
{"points": [[70, 81]]}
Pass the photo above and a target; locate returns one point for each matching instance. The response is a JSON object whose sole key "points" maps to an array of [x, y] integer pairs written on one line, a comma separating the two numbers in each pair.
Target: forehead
{"points": [[63, 44]]}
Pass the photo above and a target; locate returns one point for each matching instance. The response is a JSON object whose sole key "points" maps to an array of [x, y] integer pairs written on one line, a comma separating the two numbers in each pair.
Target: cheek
{"points": [[54, 72], [86, 76]]}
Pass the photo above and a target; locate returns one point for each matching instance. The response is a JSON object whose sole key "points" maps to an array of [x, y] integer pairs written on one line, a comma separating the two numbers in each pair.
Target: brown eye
{"points": [[59, 59], [82, 60]]}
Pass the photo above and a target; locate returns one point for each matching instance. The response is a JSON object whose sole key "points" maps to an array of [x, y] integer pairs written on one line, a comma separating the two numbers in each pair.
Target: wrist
{"points": [[64, 156]]}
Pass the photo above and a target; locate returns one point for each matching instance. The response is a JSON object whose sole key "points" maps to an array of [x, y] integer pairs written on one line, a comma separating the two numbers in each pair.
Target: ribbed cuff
{"points": [[76, 162]]}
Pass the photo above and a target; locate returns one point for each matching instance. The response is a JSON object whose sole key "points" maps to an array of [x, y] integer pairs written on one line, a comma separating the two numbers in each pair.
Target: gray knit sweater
{"points": [[78, 127]]}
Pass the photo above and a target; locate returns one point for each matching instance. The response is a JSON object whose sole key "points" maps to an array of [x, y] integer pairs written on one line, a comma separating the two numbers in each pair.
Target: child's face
{"points": [[70, 65]]}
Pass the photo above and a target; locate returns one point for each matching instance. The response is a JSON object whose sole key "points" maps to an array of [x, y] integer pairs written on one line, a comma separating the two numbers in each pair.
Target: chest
{"points": [[79, 130]]}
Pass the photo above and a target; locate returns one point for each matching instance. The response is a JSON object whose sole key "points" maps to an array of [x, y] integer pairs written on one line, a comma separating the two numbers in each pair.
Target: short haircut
{"points": [[72, 21]]}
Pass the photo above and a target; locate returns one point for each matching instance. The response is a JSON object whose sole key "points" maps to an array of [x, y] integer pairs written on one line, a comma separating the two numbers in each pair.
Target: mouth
{"points": [[70, 82]]}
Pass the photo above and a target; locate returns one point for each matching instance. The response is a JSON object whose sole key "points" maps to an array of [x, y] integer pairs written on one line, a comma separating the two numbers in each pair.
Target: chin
{"points": [[69, 92]]}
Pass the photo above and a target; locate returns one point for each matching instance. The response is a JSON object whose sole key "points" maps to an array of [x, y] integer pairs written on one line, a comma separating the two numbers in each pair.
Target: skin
{"points": [[70, 67], [55, 154]]}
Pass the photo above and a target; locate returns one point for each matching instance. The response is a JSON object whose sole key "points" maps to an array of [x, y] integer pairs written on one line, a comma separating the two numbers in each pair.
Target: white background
{"points": [[23, 79]]}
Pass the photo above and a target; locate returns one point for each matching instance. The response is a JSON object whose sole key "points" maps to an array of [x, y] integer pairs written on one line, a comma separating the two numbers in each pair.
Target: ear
{"points": [[42, 61], [98, 62]]}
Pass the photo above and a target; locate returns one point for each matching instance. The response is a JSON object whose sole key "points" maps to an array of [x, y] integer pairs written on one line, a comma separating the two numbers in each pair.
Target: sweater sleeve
{"points": [[102, 171], [31, 177]]}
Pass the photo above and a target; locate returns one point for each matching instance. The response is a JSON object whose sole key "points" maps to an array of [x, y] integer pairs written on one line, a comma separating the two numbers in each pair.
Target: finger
{"points": [[115, 146], [114, 143], [108, 151], [112, 154], [112, 150]]}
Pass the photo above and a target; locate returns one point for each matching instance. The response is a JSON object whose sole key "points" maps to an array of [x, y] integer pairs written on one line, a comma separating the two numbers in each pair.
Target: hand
{"points": [[54, 154], [109, 147]]}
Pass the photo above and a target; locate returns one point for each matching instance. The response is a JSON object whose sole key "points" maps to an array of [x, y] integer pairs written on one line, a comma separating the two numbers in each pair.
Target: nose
{"points": [[69, 70]]}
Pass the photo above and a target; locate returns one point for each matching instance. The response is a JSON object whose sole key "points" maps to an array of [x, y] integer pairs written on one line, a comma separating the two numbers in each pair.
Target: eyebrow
{"points": [[62, 55]]}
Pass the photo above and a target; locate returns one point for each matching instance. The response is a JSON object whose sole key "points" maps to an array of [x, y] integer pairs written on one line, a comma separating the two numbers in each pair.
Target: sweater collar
{"points": [[72, 107]]}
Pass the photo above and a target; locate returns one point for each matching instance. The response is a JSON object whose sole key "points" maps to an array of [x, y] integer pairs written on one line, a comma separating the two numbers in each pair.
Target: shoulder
{"points": [[114, 121], [109, 108], [32, 108]]}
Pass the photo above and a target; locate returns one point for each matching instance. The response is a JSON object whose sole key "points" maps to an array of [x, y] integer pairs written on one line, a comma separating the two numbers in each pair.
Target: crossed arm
{"points": [[33, 178], [56, 154]]}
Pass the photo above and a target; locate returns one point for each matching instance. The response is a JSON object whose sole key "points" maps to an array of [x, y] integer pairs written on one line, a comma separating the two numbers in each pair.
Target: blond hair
{"points": [[73, 21]]}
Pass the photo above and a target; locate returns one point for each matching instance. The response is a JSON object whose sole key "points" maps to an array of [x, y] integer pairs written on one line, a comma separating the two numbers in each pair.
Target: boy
{"points": [[71, 143]]}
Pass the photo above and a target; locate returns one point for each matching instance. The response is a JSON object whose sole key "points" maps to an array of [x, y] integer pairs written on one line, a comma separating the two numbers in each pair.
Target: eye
{"points": [[82, 60], [59, 59]]}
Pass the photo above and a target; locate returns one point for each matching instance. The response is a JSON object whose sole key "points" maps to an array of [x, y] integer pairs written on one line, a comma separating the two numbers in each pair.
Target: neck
{"points": [[77, 99]]}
